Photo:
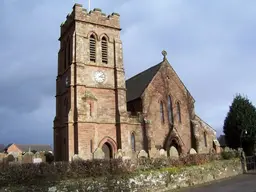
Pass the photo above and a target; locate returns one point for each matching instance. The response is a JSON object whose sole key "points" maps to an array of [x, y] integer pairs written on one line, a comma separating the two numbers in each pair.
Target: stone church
{"points": [[98, 110]]}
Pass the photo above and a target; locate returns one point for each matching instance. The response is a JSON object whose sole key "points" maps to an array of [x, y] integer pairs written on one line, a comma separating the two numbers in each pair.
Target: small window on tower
{"points": [[92, 48], [104, 50]]}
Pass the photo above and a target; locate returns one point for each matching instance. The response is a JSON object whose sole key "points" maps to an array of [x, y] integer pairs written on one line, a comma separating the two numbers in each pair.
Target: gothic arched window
{"points": [[104, 50], [205, 139], [162, 111], [133, 142], [178, 111], [170, 115], [92, 48]]}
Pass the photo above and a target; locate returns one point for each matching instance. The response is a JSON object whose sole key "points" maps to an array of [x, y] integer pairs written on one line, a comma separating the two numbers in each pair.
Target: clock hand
{"points": [[101, 76]]}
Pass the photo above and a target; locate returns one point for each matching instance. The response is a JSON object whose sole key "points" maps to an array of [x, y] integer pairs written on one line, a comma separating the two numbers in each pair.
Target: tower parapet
{"points": [[95, 17]]}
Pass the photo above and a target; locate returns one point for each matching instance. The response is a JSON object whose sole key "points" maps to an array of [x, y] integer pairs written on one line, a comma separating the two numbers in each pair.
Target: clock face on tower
{"points": [[99, 76]]}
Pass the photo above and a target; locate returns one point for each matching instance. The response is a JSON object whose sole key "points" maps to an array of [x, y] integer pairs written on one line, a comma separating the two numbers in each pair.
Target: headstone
{"points": [[125, 158], [192, 151], [37, 160], [10, 158], [42, 156], [154, 153], [37, 155], [98, 154], [162, 153], [27, 157], [174, 152], [142, 154], [119, 154], [19, 158], [76, 158]]}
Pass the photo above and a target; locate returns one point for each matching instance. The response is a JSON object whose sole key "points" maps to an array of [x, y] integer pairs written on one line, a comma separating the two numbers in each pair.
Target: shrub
{"points": [[229, 153]]}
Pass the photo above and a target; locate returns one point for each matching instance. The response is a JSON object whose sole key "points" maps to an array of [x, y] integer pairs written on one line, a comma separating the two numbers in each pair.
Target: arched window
{"points": [[104, 50], [170, 115], [205, 139], [162, 111], [90, 109], [92, 48], [133, 142], [178, 111]]}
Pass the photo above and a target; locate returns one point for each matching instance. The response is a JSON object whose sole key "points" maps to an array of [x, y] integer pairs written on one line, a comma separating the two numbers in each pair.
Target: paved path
{"points": [[241, 183]]}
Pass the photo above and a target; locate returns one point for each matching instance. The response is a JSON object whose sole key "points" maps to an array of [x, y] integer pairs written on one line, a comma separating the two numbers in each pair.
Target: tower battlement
{"points": [[95, 17]]}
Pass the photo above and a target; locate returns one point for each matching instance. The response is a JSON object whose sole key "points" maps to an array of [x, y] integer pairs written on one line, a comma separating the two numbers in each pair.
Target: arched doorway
{"points": [[173, 143], [107, 149]]}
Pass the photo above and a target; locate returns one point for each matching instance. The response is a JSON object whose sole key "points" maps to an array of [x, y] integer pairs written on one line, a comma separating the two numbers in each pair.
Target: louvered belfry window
{"points": [[92, 48], [104, 51]]}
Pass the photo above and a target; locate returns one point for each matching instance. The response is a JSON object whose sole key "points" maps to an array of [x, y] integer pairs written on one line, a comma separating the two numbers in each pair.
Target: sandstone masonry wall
{"points": [[163, 180]]}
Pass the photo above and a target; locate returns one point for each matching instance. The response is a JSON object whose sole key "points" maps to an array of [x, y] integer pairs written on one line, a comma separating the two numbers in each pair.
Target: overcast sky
{"points": [[211, 44]]}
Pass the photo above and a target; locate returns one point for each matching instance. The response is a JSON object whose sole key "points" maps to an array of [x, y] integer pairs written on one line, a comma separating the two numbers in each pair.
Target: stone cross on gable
{"points": [[164, 53]]}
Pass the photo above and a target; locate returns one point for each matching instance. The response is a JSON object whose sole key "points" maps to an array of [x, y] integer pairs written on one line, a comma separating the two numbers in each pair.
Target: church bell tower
{"points": [[90, 85]]}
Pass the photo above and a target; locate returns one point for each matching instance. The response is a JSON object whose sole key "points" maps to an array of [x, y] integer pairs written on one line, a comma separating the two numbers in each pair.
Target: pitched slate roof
{"points": [[25, 148], [137, 84]]}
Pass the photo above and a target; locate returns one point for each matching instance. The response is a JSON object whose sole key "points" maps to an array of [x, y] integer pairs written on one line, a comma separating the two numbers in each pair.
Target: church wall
{"points": [[166, 83], [205, 130], [127, 130]]}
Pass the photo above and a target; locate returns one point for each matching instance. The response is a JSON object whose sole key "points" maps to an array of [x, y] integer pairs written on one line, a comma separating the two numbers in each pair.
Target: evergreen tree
{"points": [[240, 124]]}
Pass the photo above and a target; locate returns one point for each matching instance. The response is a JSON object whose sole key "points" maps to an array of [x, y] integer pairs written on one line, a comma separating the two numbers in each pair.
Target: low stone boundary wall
{"points": [[156, 180]]}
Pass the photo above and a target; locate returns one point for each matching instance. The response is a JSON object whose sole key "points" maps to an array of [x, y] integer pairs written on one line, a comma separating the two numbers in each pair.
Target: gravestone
{"points": [[192, 151], [76, 157], [37, 155], [154, 153], [162, 153], [119, 154], [98, 154], [19, 158], [10, 158], [42, 156], [28, 157], [174, 152], [142, 154], [126, 158], [37, 160]]}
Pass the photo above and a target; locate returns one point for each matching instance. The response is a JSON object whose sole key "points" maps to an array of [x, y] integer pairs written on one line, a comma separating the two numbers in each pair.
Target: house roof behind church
{"points": [[137, 84], [33, 147]]}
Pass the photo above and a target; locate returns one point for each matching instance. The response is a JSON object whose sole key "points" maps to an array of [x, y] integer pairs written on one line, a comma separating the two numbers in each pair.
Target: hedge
{"points": [[38, 173]]}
